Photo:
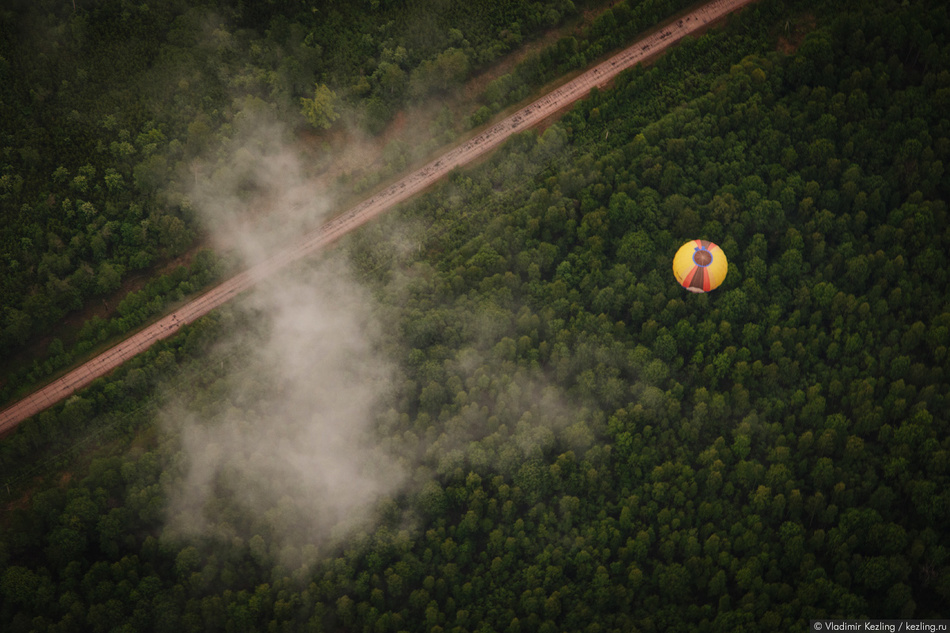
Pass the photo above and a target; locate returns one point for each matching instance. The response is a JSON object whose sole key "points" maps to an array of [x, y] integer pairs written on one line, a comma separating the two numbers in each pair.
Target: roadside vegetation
{"points": [[112, 109]]}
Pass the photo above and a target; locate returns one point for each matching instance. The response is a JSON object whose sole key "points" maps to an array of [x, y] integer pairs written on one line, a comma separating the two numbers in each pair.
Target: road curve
{"points": [[365, 211]]}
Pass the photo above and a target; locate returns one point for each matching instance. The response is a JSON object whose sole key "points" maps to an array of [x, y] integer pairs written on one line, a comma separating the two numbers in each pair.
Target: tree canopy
{"points": [[588, 447]]}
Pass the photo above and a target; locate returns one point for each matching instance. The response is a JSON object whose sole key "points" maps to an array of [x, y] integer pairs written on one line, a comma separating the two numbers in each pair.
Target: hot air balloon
{"points": [[700, 266]]}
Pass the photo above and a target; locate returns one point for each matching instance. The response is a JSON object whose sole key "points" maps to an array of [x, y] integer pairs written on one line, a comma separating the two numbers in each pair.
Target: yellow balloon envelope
{"points": [[700, 266]]}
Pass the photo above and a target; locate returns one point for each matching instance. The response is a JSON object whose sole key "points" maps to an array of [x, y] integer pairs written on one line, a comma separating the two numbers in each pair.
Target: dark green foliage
{"points": [[111, 110], [614, 27], [133, 311], [81, 160], [594, 448]]}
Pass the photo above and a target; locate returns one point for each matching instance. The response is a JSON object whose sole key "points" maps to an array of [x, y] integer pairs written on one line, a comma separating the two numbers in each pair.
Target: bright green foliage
{"points": [[320, 111]]}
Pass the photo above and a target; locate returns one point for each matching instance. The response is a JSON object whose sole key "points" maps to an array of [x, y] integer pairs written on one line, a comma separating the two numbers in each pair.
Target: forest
{"points": [[519, 421], [110, 110]]}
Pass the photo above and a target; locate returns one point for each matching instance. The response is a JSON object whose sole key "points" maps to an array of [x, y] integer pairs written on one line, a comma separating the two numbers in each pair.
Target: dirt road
{"points": [[365, 211]]}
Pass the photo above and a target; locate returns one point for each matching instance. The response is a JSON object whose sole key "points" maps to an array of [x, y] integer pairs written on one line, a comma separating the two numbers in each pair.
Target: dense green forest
{"points": [[110, 110], [566, 440]]}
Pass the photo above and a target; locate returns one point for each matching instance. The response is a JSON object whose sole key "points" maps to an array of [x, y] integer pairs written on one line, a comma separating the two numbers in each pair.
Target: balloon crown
{"points": [[702, 257]]}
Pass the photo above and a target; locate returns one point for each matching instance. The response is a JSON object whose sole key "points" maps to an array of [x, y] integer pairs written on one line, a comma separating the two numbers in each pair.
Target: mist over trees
{"points": [[111, 110], [583, 446]]}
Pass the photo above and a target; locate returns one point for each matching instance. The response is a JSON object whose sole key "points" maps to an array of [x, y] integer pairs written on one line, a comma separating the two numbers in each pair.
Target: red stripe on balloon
{"points": [[688, 279]]}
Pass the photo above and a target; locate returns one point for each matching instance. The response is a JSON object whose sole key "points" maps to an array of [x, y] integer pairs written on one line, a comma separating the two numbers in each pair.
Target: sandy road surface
{"points": [[368, 209]]}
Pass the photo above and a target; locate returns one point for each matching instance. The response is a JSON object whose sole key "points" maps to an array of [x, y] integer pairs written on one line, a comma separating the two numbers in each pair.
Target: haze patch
{"points": [[257, 195], [281, 453], [479, 406]]}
